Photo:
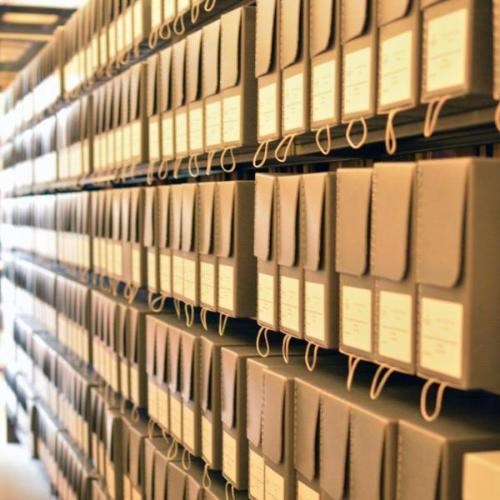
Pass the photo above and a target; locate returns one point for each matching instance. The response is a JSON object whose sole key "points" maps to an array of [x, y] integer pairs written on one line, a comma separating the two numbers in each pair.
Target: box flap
{"points": [[149, 458], [273, 416], [134, 334], [160, 476], [123, 333], [225, 201], [165, 70], [188, 216], [126, 233], [194, 488], [255, 395], [353, 217], [229, 367], [442, 190], [306, 430], [211, 58], [163, 201], [135, 446], [152, 78], [264, 202], [265, 37], [173, 353], [176, 195], [125, 97], [288, 219], [188, 366], [322, 25], [230, 48], [176, 482], [179, 72], [110, 102], [355, 18], [150, 223], [291, 32], [151, 345], [136, 215], [161, 351], [193, 66], [391, 221], [206, 194], [392, 10], [314, 217], [207, 349], [135, 92]]}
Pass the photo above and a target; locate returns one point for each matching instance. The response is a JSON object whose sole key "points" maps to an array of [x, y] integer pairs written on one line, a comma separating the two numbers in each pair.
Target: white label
{"points": [[323, 91], [231, 119], [206, 440], [178, 271], [274, 485], [136, 265], [165, 274], [357, 80], [255, 475], [226, 287], [314, 310], [196, 129], [154, 140], [207, 279], [268, 109], [167, 132], [289, 303], [229, 456], [304, 492], [188, 427], [265, 298], [190, 279], [446, 50], [175, 418], [357, 318], [293, 103], [395, 72], [152, 269], [395, 326], [441, 337], [181, 133], [213, 123]]}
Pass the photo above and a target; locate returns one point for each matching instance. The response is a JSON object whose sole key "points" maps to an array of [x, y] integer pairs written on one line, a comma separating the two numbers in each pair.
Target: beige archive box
{"points": [[481, 475], [174, 371], [392, 263], [354, 187], [359, 65], [460, 73], [179, 102], [155, 466], [399, 61], [115, 463], [456, 271], [153, 119], [165, 99], [177, 260]]}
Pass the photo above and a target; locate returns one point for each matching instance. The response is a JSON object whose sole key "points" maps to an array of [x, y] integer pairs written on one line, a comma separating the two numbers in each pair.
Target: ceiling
{"points": [[25, 26]]}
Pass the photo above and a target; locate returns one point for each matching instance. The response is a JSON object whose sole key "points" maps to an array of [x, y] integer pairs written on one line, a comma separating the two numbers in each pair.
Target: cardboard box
{"points": [[165, 97], [179, 101], [481, 475], [152, 109]]}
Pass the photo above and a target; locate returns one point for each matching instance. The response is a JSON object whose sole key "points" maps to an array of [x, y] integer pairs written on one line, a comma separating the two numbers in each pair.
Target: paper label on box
{"points": [[167, 134], [154, 140], [129, 27], [138, 29], [255, 475], [189, 279], [315, 310], [136, 265], [229, 456], [169, 9], [213, 123], [293, 103], [357, 318], [265, 298], [441, 336], [289, 303], [206, 440], [152, 274], [103, 42], [231, 119], [323, 91], [188, 427], [396, 61], [207, 283], [119, 34], [127, 142], [267, 98], [162, 397], [119, 154], [446, 50], [118, 258], [165, 274], [176, 418], [274, 484], [181, 133], [226, 287], [357, 80], [156, 13], [395, 326], [196, 128], [178, 270]]}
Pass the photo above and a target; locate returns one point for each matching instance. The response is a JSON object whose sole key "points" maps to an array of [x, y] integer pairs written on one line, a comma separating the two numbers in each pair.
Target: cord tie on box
{"points": [[210, 159], [324, 150], [189, 312], [285, 144], [209, 5], [153, 39], [150, 174], [130, 292], [203, 318], [177, 167], [186, 459], [178, 26], [207, 482], [172, 451], [441, 386], [229, 491], [177, 307], [264, 149], [364, 133], [352, 365], [379, 380], [232, 166], [311, 362], [391, 142], [135, 413], [262, 333], [223, 324], [285, 347], [156, 304], [165, 31], [151, 425], [193, 171], [432, 114], [163, 169], [195, 11]]}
